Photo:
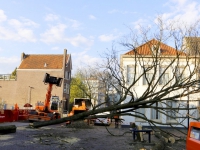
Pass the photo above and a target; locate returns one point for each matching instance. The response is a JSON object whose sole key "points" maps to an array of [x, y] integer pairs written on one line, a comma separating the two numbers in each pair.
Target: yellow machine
{"points": [[80, 105]]}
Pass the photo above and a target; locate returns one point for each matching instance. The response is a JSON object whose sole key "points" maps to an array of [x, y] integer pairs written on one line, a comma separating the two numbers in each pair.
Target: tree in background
{"points": [[77, 89]]}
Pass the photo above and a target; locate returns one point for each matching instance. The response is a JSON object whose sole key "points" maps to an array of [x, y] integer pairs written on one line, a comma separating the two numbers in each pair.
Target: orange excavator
{"points": [[49, 109]]}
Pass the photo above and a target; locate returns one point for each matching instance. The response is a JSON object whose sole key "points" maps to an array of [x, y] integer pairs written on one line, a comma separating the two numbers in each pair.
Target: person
{"points": [[116, 117]]}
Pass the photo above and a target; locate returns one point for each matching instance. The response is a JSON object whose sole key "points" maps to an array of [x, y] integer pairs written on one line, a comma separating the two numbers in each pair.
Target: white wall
{"points": [[140, 88]]}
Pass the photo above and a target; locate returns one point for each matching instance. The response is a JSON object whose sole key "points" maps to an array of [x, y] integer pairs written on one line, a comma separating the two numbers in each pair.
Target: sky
{"points": [[86, 28]]}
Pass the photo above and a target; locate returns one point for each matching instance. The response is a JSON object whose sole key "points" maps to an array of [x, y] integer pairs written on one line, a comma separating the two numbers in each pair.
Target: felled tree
{"points": [[170, 74]]}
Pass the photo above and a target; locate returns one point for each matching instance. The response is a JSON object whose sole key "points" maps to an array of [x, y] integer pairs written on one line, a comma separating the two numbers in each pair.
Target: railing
{"points": [[7, 77]]}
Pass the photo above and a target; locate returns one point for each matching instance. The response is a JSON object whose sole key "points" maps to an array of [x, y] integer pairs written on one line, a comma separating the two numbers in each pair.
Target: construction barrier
{"points": [[13, 115]]}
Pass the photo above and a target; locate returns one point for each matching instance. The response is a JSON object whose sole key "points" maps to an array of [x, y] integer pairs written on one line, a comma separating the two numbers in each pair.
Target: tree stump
{"points": [[7, 129]]}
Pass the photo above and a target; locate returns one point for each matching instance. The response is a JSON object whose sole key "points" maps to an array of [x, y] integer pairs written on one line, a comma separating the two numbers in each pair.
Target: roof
{"points": [[145, 49], [193, 45], [42, 62]]}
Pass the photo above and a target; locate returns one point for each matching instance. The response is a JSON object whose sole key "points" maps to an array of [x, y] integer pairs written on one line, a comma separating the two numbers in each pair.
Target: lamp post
{"points": [[29, 98], [188, 109]]}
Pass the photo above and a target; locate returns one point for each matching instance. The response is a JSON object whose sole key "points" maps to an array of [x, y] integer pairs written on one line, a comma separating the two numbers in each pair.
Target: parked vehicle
{"points": [[193, 136], [102, 120]]}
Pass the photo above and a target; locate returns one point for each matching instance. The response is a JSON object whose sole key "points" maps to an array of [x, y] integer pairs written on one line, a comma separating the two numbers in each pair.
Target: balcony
{"points": [[7, 77]]}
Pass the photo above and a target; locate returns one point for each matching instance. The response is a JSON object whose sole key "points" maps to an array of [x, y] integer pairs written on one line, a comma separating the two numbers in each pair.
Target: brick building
{"points": [[28, 87]]}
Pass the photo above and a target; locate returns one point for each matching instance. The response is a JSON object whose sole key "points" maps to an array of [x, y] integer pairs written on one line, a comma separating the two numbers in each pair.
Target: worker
{"points": [[117, 121]]}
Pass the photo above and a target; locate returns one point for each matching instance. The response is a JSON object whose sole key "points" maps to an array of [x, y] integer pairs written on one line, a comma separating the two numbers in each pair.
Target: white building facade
{"points": [[166, 67]]}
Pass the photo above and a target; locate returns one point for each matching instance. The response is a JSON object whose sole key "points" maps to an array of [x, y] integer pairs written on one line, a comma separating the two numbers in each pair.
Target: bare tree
{"points": [[99, 85], [170, 75]]}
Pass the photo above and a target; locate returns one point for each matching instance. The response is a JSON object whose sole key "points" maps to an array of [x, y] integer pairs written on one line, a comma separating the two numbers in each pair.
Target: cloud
{"points": [[3, 17], [19, 34], [51, 17], [182, 11], [107, 37], [10, 62], [29, 23], [92, 17], [83, 60], [17, 30], [54, 34], [57, 34], [139, 23], [80, 40], [74, 24]]}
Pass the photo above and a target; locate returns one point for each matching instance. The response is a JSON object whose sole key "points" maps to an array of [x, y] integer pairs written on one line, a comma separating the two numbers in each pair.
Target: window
{"points": [[149, 75], [67, 75], [195, 133], [155, 114], [131, 73], [140, 112], [180, 74], [171, 114], [66, 88], [164, 76]]}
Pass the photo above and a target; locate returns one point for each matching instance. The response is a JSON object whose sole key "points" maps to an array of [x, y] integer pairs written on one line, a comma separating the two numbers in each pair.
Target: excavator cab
{"points": [[54, 103]]}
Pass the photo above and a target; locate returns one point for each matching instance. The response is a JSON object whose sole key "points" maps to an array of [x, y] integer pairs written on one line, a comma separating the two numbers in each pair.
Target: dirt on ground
{"points": [[80, 136]]}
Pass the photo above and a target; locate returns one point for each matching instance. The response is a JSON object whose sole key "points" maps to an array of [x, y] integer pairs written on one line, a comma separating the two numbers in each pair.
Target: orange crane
{"points": [[47, 111]]}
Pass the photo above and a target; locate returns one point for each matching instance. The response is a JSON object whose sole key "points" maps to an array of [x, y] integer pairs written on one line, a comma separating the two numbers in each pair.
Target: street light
{"points": [[29, 93], [188, 109], [188, 103]]}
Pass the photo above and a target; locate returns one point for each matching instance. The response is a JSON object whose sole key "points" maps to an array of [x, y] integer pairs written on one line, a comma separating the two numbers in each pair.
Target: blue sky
{"points": [[86, 28]]}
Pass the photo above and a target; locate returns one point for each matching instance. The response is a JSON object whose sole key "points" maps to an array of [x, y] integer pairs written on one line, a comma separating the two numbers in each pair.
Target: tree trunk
{"points": [[7, 129], [162, 142], [170, 139]]}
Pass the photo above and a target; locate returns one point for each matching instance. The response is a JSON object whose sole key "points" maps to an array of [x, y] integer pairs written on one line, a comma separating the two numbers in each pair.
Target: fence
{"points": [[7, 77]]}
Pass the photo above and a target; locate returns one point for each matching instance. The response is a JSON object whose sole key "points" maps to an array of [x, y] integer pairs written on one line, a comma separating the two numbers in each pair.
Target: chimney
{"points": [[22, 56], [64, 58], [45, 64]]}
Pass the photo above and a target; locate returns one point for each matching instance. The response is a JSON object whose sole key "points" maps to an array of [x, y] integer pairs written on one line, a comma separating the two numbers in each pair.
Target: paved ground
{"points": [[75, 138]]}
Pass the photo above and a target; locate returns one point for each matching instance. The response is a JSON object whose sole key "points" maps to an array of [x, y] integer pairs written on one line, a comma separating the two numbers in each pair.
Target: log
{"points": [[170, 138], [162, 142], [158, 135], [7, 129]]}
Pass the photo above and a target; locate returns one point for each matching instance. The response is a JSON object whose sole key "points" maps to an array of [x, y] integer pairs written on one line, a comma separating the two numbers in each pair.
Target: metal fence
{"points": [[7, 77]]}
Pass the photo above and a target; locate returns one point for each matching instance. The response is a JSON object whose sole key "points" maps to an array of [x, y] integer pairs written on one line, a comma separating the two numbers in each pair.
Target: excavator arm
{"points": [[51, 80], [43, 111]]}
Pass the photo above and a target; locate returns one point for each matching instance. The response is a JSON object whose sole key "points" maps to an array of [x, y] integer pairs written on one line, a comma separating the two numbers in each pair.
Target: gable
{"points": [[42, 62], [145, 49]]}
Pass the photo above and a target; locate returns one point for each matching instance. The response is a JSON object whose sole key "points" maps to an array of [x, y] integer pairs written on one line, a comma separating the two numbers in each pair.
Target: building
{"points": [[28, 86], [140, 63], [191, 45], [96, 90]]}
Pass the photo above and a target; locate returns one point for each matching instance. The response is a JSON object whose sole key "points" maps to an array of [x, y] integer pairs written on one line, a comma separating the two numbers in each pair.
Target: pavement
{"points": [[16, 123]]}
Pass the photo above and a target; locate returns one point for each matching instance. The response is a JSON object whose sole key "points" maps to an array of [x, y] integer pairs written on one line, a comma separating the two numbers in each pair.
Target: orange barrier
{"points": [[193, 136]]}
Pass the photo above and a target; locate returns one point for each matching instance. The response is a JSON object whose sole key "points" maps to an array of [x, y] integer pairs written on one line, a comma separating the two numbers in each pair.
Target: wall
{"points": [[140, 88], [19, 91]]}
